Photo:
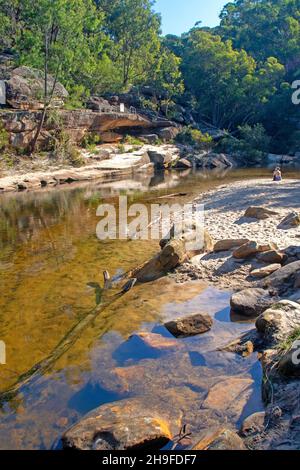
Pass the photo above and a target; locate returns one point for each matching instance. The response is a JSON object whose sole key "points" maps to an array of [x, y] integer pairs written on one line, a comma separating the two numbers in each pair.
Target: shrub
{"points": [[194, 137], [252, 143], [131, 140], [91, 140], [65, 150], [121, 148], [4, 137]]}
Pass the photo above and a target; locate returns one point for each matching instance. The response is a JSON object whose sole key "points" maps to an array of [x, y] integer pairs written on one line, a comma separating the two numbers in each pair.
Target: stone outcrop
{"points": [[109, 126], [231, 393], [168, 134], [214, 161], [25, 89], [189, 326], [117, 166]]}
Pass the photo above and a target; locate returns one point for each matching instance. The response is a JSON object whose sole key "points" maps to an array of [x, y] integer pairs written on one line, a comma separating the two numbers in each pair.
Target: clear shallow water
{"points": [[49, 253]]}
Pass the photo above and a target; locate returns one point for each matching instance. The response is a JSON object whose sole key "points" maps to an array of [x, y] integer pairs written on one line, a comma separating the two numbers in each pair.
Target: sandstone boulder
{"points": [[183, 164], [97, 103], [265, 271], [25, 88], [252, 248], [122, 425], [260, 213], [229, 244], [251, 302], [278, 322], [284, 278], [214, 160], [271, 257], [168, 134], [292, 220], [160, 158], [190, 326], [149, 138]]}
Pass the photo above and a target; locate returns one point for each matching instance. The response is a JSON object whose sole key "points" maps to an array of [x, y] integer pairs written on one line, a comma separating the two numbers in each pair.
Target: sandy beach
{"points": [[224, 219]]}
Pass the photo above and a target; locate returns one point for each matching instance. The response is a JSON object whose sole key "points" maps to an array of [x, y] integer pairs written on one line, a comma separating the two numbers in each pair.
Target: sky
{"points": [[179, 16]]}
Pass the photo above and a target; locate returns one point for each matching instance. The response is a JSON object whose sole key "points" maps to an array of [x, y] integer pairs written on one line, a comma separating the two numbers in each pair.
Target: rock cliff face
{"points": [[110, 126]]}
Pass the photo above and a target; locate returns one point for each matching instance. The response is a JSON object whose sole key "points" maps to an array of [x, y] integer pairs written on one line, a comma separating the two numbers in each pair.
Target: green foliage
{"points": [[134, 29], [194, 137], [64, 150], [4, 137], [253, 143], [90, 140], [238, 73], [121, 148], [227, 83], [287, 344], [268, 28], [131, 140]]}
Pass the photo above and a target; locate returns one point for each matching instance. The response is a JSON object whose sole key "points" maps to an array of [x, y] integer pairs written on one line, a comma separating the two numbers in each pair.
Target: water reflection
{"points": [[50, 262]]}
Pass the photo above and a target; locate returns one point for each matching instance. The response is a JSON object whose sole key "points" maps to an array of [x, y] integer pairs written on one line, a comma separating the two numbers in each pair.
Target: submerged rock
{"points": [[220, 439], [122, 425], [190, 326], [156, 341], [252, 302], [230, 393]]}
